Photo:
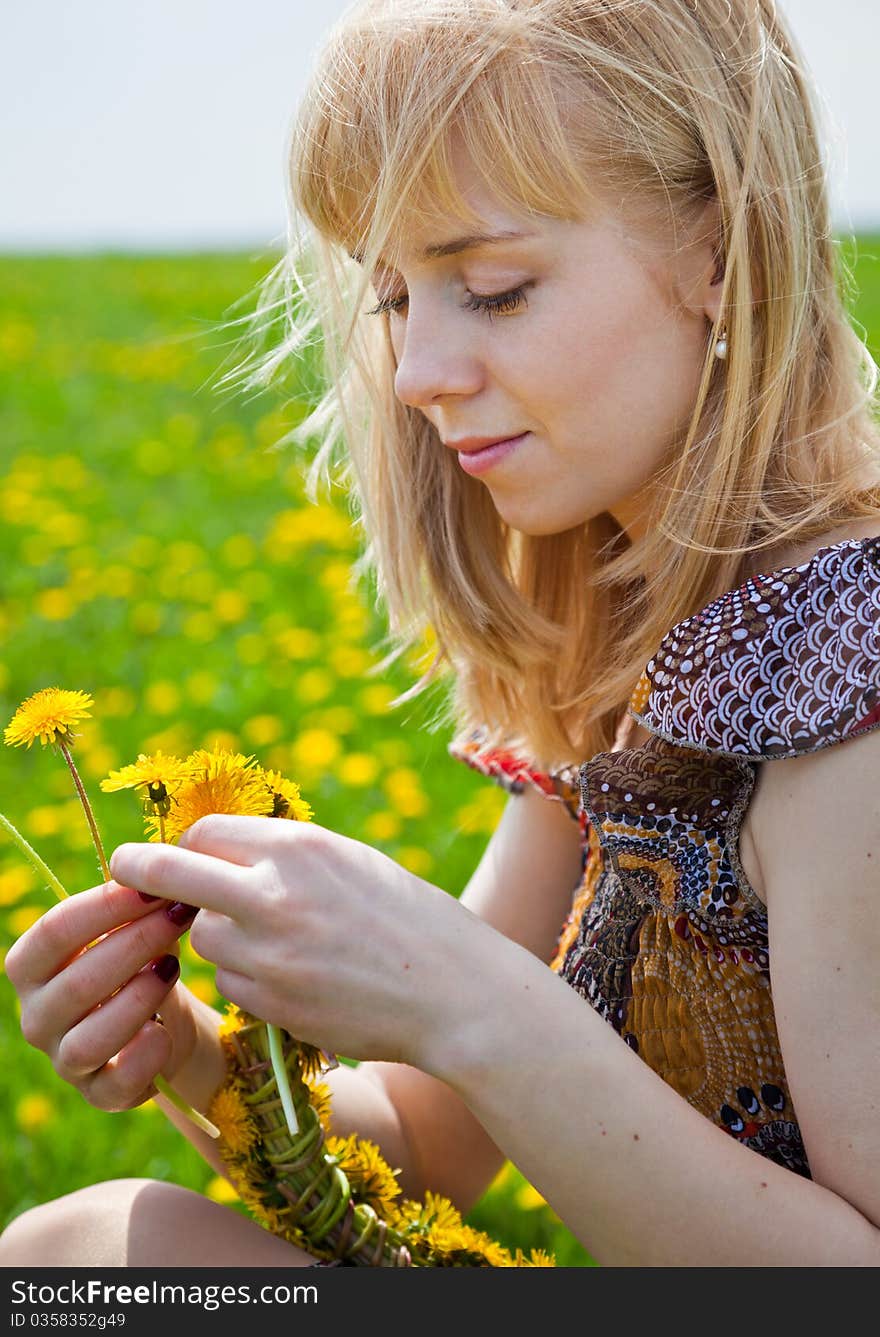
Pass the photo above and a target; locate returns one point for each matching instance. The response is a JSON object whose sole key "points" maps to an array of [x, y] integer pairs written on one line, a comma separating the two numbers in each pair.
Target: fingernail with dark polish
{"points": [[180, 914], [166, 968], [145, 896]]}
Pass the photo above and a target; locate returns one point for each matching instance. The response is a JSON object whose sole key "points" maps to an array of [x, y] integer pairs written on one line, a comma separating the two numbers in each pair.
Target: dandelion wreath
{"points": [[336, 1197]]}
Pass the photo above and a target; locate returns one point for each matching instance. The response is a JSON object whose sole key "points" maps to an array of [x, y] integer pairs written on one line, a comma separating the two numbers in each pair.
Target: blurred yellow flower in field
{"points": [[263, 729], [98, 760], [55, 605], [528, 1198], [358, 768], [231, 606], [64, 528], [256, 585], [15, 882], [349, 661], [200, 627], [18, 340], [162, 697], [405, 793], [220, 1190], [375, 698], [20, 920], [223, 740], [145, 618], [239, 550], [483, 812], [116, 701], [392, 751], [504, 1175], [116, 581], [43, 821], [251, 649], [315, 750], [202, 987], [144, 550], [33, 1111], [298, 643], [184, 554], [201, 687], [338, 719], [336, 576], [314, 685], [415, 859], [154, 458], [195, 586], [182, 429], [174, 740], [304, 527], [35, 550], [351, 619], [382, 825]]}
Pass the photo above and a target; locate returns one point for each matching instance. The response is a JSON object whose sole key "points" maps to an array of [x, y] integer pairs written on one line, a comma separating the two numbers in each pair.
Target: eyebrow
{"points": [[458, 244]]}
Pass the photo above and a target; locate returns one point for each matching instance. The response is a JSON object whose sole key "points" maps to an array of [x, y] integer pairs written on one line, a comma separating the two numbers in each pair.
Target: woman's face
{"points": [[595, 356]]}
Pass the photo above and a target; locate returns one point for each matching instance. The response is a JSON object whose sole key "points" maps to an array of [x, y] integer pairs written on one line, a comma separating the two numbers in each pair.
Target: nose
{"points": [[434, 360]]}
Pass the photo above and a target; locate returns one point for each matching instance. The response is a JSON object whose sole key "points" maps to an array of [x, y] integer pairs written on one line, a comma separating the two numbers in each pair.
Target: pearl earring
{"points": [[721, 344]]}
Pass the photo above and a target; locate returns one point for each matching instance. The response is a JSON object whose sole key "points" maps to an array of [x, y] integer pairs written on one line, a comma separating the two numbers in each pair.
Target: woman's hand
{"points": [[317, 933], [90, 973]]}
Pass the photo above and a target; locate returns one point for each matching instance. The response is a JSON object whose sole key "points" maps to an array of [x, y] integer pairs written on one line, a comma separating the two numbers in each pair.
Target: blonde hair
{"points": [[665, 103]]}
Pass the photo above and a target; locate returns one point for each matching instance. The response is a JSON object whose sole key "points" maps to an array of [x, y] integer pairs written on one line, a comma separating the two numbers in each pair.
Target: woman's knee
{"points": [[67, 1230], [141, 1223]]}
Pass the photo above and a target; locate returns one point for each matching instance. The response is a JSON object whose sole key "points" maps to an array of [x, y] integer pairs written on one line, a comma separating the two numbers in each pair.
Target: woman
{"points": [[597, 233]]}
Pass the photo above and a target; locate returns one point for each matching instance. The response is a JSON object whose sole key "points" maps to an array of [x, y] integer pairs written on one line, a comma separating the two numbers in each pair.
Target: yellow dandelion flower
{"points": [[320, 1101], [371, 1177], [222, 783], [48, 715], [286, 797], [232, 1116], [157, 769], [231, 1022], [539, 1258]]}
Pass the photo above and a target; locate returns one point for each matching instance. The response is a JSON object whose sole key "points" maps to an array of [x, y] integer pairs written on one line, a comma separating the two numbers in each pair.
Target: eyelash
{"points": [[492, 305]]}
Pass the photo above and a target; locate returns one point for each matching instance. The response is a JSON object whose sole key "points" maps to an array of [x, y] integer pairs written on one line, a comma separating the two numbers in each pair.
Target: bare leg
{"points": [[141, 1223]]}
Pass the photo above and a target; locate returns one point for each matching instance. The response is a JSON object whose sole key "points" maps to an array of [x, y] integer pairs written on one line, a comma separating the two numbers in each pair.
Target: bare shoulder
{"points": [[820, 858]]}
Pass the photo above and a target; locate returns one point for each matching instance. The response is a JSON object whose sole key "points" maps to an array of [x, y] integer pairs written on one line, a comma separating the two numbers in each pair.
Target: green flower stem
{"points": [[180, 1104], [87, 808], [31, 854], [282, 1081]]}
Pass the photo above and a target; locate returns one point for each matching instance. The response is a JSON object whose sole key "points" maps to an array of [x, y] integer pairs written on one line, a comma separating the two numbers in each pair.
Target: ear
{"points": [[699, 263]]}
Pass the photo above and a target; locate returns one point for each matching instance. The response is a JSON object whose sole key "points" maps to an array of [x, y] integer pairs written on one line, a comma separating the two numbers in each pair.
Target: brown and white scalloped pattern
{"points": [[786, 664]]}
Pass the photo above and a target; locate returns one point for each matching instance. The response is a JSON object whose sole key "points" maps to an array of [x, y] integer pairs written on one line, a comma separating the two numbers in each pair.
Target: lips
{"points": [[469, 445]]}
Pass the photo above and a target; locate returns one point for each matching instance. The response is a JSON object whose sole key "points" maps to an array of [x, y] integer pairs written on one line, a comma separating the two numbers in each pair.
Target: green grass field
{"points": [[157, 556]]}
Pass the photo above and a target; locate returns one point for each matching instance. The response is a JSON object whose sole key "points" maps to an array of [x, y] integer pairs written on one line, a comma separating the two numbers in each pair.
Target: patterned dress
{"points": [[666, 939]]}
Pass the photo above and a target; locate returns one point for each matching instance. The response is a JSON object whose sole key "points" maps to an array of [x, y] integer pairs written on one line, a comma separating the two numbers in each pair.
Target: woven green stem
{"points": [[279, 1068]]}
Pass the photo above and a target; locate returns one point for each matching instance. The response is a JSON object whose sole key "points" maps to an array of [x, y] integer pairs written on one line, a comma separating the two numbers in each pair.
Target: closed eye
{"points": [[494, 304]]}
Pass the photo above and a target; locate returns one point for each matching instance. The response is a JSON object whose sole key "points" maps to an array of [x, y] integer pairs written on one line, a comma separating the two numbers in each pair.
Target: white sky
{"points": [[162, 125]]}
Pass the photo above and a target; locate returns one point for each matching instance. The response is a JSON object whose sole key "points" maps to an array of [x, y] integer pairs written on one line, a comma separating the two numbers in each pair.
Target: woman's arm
{"points": [[634, 1171], [523, 887]]}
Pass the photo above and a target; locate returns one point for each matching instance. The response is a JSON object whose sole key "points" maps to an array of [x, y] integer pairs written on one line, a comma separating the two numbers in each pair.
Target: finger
{"points": [[68, 927], [229, 836], [183, 875], [128, 1078], [95, 975], [95, 1040]]}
